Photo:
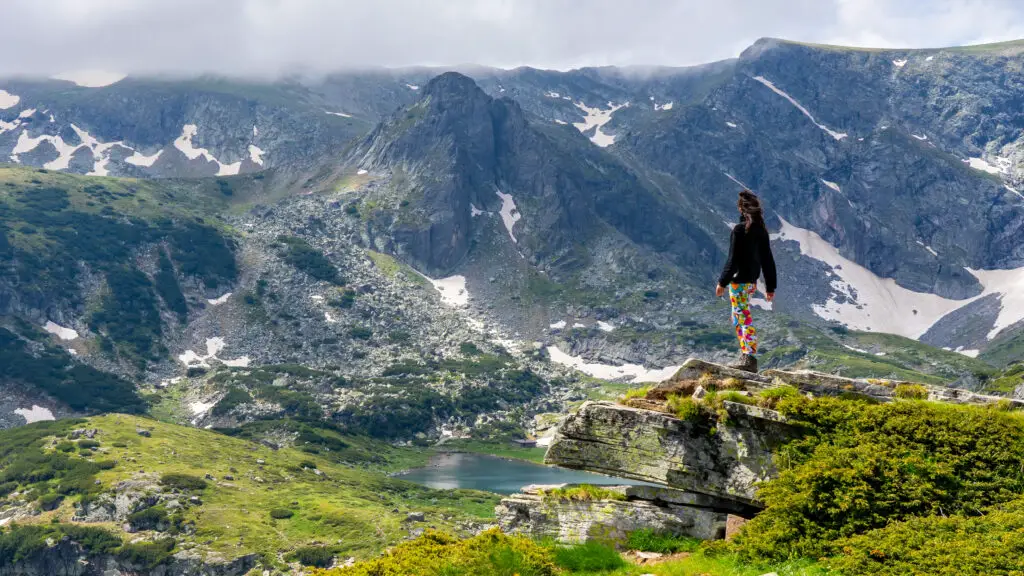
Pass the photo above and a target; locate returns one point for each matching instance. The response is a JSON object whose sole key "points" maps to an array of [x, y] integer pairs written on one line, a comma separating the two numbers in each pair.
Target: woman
{"points": [[749, 255]]}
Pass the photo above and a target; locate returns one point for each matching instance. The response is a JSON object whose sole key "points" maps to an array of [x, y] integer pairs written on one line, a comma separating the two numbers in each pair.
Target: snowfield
{"points": [[35, 414], [865, 301], [628, 372], [509, 214], [773, 88], [60, 331], [8, 100], [453, 290], [597, 117]]}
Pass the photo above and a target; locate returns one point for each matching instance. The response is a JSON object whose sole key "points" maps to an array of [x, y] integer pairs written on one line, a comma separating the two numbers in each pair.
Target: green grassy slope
{"points": [[355, 511]]}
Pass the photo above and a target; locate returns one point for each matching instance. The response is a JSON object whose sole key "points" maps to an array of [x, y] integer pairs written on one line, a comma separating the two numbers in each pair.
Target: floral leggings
{"points": [[739, 297]]}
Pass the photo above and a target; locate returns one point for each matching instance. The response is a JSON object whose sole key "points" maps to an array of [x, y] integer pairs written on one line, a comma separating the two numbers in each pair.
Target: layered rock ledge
{"points": [[533, 512]]}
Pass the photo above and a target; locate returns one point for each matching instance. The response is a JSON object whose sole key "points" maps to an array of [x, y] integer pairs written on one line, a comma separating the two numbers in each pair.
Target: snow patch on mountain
{"points": [[864, 301], [219, 300], [412, 87], [256, 154], [27, 143], [899, 63], [35, 414], [184, 143], [8, 100], [928, 248], [628, 372], [984, 166], [596, 117], [605, 326], [831, 185], [60, 331], [138, 159], [342, 114], [509, 214], [666, 106], [559, 325], [773, 88], [731, 124], [452, 289], [1009, 284], [214, 346], [26, 113]]}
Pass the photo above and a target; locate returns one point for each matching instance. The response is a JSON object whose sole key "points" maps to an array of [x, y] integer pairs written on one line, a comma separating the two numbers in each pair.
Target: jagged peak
{"points": [[452, 84]]}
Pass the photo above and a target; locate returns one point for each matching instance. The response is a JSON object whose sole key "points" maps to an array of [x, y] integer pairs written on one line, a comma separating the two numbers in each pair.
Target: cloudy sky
{"points": [[267, 37]]}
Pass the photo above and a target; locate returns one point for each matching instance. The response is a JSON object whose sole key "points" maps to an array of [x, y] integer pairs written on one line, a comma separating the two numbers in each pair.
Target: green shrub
{"points": [[154, 518], [939, 546], [316, 556], [911, 392], [147, 555], [50, 501], [437, 554], [583, 493], [182, 482], [863, 466], [281, 513], [771, 397], [640, 392], [360, 333], [88, 444], [686, 408], [65, 446], [650, 541], [470, 349], [591, 556], [304, 257], [234, 398]]}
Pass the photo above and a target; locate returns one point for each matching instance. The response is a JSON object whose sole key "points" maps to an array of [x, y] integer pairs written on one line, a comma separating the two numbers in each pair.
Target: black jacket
{"points": [[749, 255]]}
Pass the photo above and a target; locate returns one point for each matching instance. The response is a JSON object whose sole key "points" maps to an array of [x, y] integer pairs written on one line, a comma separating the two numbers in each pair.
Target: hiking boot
{"points": [[747, 363]]}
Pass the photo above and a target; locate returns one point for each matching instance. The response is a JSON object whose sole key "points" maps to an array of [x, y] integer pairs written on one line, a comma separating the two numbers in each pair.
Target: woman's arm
{"points": [[730, 264], [767, 263]]}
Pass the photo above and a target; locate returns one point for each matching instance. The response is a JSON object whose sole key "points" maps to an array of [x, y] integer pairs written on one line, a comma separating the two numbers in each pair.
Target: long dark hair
{"points": [[750, 208]]}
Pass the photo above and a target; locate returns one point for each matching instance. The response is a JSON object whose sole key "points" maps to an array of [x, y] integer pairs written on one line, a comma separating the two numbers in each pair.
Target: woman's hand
{"points": [[770, 296], [719, 290]]}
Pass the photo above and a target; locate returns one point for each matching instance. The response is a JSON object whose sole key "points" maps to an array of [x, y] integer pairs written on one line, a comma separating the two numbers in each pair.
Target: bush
{"points": [[182, 482], [583, 493], [591, 556], [435, 554], [304, 257], [88, 444], [863, 466], [281, 513], [234, 398], [771, 397], [939, 546], [650, 541], [316, 556], [360, 333], [686, 408], [147, 555], [911, 392]]}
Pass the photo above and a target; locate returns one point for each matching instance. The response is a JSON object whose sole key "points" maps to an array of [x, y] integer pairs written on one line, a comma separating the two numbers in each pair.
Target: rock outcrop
{"points": [[710, 462], [534, 513], [725, 460], [68, 558]]}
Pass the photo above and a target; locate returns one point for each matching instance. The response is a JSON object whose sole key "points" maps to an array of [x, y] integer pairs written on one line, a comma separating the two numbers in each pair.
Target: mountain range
{"points": [[580, 216]]}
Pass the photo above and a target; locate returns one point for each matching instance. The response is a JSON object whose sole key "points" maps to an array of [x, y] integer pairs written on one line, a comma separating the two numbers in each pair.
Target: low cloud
{"points": [[272, 37]]}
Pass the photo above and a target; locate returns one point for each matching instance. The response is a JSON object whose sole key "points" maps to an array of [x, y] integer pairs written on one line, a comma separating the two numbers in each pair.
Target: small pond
{"points": [[493, 474]]}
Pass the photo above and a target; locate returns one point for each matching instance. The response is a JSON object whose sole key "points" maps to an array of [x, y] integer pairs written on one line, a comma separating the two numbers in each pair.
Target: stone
{"points": [[533, 514], [143, 432], [733, 524], [415, 517], [699, 393], [655, 447]]}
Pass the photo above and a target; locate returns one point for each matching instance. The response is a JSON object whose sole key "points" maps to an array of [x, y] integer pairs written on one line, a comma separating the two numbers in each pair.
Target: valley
{"points": [[237, 317]]}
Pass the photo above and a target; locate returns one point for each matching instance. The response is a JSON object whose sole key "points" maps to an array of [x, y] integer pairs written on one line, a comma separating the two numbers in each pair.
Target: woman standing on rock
{"points": [[749, 255]]}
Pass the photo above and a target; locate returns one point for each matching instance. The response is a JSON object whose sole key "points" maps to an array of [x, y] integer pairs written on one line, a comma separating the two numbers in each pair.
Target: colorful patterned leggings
{"points": [[739, 297]]}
